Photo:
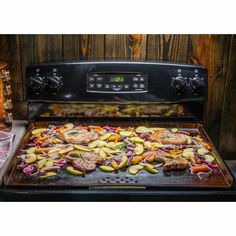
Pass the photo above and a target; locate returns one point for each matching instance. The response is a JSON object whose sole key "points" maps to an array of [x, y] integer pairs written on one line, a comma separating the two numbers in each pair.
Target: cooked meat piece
{"points": [[161, 158], [83, 165], [88, 156], [84, 161], [78, 136], [157, 109], [167, 137], [177, 163]]}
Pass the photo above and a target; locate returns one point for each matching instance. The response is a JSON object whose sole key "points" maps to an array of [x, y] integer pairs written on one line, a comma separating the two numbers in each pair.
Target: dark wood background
{"points": [[217, 52]]}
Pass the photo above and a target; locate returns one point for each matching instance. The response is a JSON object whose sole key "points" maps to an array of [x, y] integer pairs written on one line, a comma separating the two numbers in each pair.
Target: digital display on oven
{"points": [[117, 82], [117, 79]]}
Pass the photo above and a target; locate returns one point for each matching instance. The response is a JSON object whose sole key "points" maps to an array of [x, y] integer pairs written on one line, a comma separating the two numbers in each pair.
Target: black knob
{"points": [[179, 84], [196, 84], [36, 83], [54, 83]]}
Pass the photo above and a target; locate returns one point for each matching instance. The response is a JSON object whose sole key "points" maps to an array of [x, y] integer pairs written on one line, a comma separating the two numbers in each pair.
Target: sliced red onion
{"points": [[190, 146], [117, 155], [130, 147], [165, 150], [121, 138], [195, 142], [61, 162], [52, 127], [23, 151], [109, 128], [130, 160], [112, 129], [31, 145], [44, 133], [69, 145], [144, 135], [29, 170], [202, 173], [126, 140], [21, 166], [130, 154], [45, 144], [139, 133], [118, 162], [193, 164], [117, 158], [213, 166], [147, 139], [36, 169], [198, 160], [107, 163]]}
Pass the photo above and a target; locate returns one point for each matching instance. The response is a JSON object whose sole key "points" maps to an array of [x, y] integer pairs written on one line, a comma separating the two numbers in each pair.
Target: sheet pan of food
{"points": [[117, 154]]}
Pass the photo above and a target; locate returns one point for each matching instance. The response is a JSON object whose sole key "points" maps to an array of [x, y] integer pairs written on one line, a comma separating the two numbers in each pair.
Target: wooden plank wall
{"points": [[217, 52]]}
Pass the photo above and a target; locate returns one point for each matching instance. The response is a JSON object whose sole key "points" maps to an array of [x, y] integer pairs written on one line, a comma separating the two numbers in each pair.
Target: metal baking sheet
{"points": [[121, 180]]}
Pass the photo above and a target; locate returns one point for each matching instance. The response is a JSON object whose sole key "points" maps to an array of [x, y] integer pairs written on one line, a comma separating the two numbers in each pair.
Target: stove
{"points": [[119, 94]]}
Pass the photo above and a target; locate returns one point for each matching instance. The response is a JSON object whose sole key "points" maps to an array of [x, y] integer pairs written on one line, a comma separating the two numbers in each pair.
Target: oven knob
{"points": [[54, 83], [196, 84], [36, 83], [179, 84]]}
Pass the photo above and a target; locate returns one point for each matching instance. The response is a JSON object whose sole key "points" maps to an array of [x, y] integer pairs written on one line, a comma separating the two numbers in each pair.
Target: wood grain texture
{"points": [[83, 47], [212, 51], [137, 44], [227, 141], [97, 47], [172, 48], [116, 46], [70, 47], [40, 48], [125, 47]]}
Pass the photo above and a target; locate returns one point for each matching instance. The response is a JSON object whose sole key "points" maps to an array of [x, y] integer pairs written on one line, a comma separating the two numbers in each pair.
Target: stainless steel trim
{"points": [[120, 62], [136, 91]]}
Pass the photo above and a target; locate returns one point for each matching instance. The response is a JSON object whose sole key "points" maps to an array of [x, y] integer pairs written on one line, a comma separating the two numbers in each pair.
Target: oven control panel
{"points": [[117, 82]]}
